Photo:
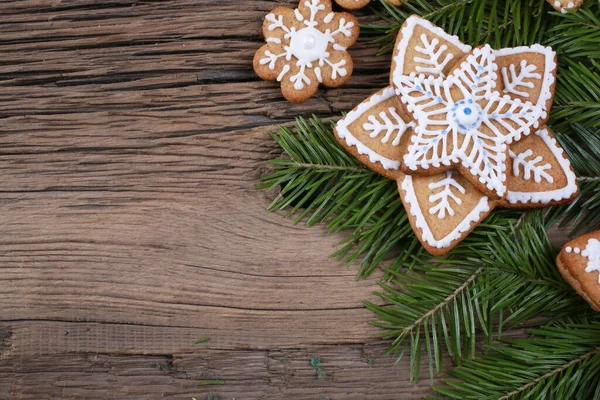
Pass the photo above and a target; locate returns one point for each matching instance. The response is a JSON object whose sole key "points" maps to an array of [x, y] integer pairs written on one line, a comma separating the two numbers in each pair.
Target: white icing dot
{"points": [[308, 45], [568, 249], [577, 250], [557, 4], [571, 5]]}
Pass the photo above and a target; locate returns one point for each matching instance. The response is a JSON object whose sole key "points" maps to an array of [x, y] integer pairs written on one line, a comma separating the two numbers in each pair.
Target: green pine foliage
{"points": [[502, 276], [446, 305], [321, 183], [560, 361]]}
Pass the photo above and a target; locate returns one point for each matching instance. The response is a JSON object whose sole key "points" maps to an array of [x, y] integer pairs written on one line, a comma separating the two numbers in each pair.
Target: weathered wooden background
{"points": [[131, 136]]}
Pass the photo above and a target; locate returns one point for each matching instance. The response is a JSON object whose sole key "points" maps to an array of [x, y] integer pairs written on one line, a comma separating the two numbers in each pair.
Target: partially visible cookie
{"points": [[373, 132], [356, 4], [352, 4], [564, 5], [579, 263], [306, 47]]}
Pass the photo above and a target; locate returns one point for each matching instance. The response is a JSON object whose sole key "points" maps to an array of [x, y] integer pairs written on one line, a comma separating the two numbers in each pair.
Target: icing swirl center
{"points": [[308, 45]]}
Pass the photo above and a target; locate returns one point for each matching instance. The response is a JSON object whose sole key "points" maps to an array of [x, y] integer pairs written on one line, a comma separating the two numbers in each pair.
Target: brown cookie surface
{"points": [[579, 263], [306, 47], [442, 209], [373, 132], [352, 4], [357, 4], [424, 48], [541, 174]]}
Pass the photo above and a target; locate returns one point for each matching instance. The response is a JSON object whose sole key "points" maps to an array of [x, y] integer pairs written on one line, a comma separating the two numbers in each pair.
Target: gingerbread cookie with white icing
{"points": [[306, 47], [466, 113], [579, 263], [565, 6]]}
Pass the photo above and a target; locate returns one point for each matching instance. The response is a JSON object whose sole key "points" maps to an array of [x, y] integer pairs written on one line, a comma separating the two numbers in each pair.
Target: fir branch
{"points": [[554, 372], [577, 96], [497, 22], [509, 281], [320, 182], [577, 34], [561, 360], [582, 146]]}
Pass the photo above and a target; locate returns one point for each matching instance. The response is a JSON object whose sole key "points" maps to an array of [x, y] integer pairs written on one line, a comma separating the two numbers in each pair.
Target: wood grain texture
{"points": [[132, 134]]}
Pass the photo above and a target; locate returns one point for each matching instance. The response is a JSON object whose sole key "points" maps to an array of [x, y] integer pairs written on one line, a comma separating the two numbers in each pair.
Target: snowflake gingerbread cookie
{"points": [[579, 263], [467, 119], [306, 47], [443, 207]]}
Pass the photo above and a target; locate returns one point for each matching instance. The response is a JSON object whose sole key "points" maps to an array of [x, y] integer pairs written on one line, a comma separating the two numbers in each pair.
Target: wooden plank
{"points": [[61, 368]]}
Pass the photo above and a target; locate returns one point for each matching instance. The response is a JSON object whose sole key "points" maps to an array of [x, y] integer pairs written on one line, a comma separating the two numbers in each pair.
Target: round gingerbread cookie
{"points": [[306, 47]]}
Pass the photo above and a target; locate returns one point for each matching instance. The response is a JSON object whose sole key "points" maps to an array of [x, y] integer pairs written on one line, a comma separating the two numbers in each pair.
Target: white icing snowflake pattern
{"points": [[592, 253], [519, 80], [389, 122], [310, 47], [432, 54], [443, 197], [530, 166], [461, 119]]}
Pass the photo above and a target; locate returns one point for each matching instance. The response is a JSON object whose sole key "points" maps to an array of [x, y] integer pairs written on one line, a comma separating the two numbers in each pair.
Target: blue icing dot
{"points": [[473, 87], [470, 101], [439, 99], [429, 93], [494, 115], [479, 141], [508, 115], [489, 164], [444, 132], [419, 88], [479, 68], [467, 111]]}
